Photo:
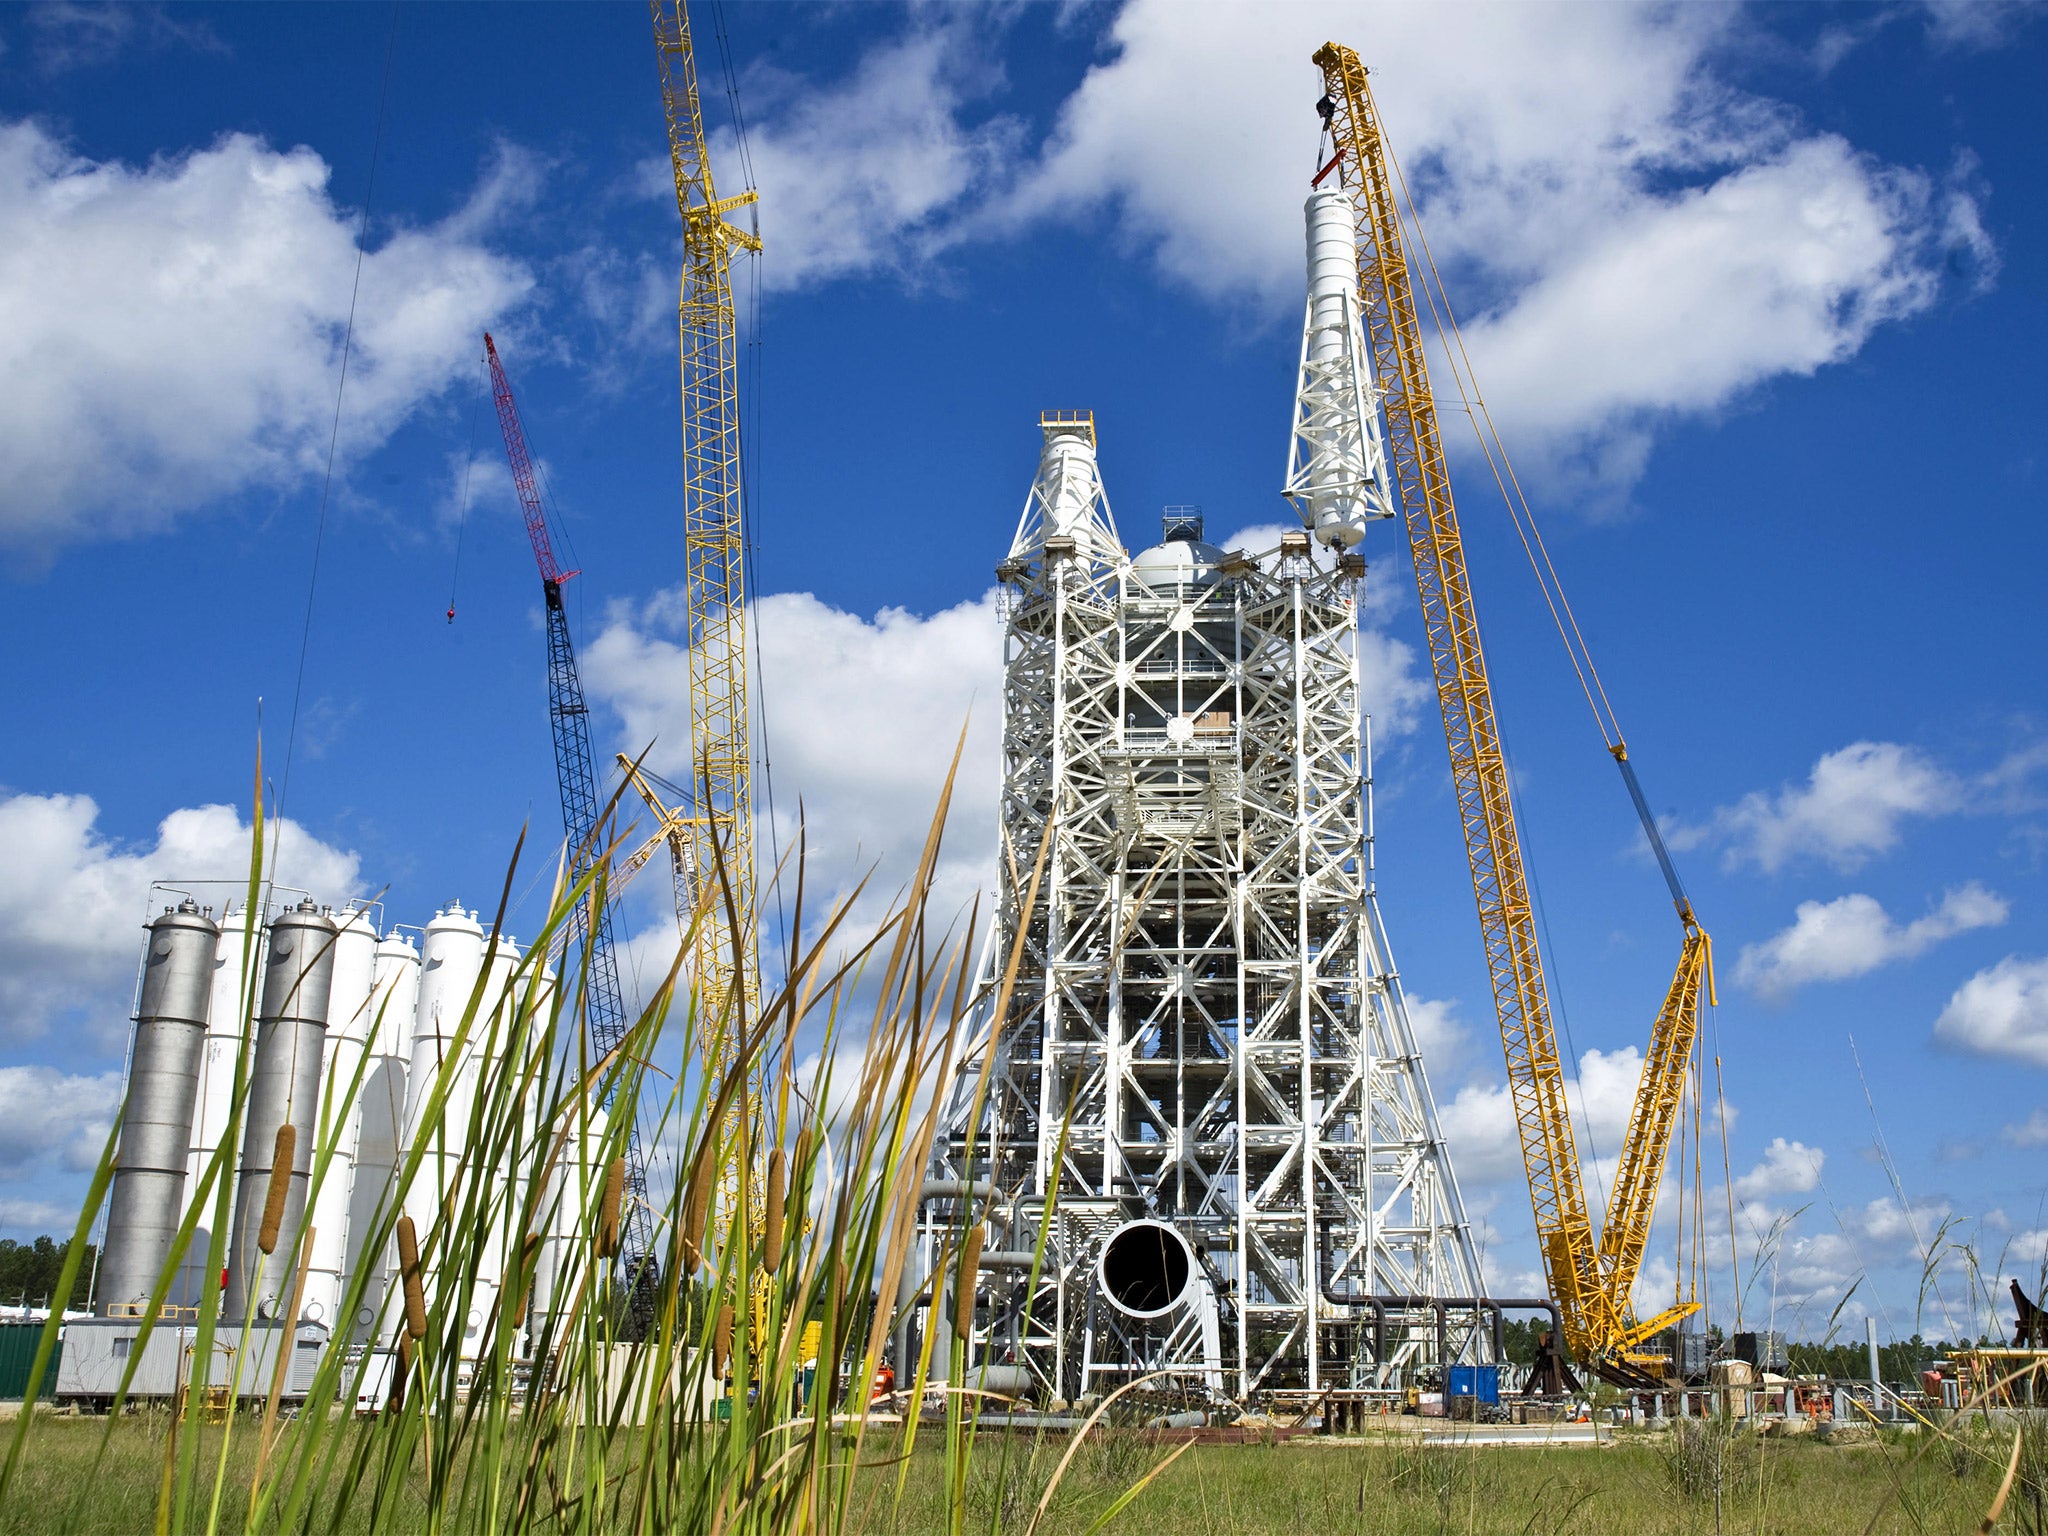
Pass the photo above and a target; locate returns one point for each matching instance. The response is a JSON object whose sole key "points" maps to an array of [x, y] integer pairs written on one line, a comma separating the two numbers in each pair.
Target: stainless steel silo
{"points": [[156, 1117], [284, 1086]]}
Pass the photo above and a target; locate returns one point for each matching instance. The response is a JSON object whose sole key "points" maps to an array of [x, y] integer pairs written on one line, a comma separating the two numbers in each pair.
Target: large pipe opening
{"points": [[1145, 1268]]}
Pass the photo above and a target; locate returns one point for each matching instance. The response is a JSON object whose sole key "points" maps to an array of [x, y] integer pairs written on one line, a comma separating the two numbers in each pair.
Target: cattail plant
{"points": [[771, 1238], [279, 1188], [514, 1404]]}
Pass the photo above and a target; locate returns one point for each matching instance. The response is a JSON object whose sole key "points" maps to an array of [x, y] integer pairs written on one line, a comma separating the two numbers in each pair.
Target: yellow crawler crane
{"points": [[720, 819], [1591, 1280]]}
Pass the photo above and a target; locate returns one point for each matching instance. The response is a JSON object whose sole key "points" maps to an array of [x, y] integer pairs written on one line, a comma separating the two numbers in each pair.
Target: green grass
{"points": [[1328, 1489], [469, 1451]]}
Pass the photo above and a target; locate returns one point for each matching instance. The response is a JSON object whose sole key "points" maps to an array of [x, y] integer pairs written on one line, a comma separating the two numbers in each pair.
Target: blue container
{"points": [[1480, 1381]]}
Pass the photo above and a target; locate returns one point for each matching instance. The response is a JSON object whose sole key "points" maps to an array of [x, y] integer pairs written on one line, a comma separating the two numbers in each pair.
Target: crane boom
{"points": [[721, 819], [603, 1004], [1590, 1280]]}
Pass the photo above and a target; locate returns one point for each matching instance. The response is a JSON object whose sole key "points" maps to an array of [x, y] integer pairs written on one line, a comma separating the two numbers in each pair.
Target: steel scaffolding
{"points": [[1207, 1029]]}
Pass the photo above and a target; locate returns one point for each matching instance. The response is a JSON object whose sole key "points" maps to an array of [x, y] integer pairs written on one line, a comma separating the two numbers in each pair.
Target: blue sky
{"points": [[1757, 296]]}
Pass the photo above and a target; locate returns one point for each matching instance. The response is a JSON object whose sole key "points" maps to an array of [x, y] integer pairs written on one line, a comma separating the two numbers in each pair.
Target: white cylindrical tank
{"points": [[1338, 513], [284, 1089], [381, 1116], [576, 1183], [451, 959], [1068, 479], [146, 1203], [501, 1003], [234, 993], [348, 1027]]}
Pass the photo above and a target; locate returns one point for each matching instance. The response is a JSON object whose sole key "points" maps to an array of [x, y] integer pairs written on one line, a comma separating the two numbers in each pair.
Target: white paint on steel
{"points": [[1206, 981], [229, 1035], [348, 1028], [1336, 464], [451, 959], [394, 1004]]}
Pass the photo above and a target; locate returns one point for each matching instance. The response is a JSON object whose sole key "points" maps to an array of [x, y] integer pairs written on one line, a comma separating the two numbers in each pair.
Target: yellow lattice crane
{"points": [[1591, 1279], [719, 819]]}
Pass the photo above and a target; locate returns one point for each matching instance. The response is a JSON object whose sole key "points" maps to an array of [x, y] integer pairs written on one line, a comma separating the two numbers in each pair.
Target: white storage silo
{"points": [[348, 1027], [145, 1205], [234, 993], [498, 1028], [380, 1117], [575, 1186], [284, 1088], [451, 960]]}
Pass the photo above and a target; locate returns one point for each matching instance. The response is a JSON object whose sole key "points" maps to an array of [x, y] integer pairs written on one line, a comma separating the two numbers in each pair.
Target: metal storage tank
{"points": [[147, 1202], [564, 1216], [284, 1086], [394, 1004], [241, 929], [498, 1021], [348, 1029], [451, 959]]}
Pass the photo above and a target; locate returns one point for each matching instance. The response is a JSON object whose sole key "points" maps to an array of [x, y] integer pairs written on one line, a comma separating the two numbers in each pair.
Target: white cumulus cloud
{"points": [[1786, 1168], [55, 1118], [2030, 1132], [73, 905], [1853, 806], [1853, 935], [170, 334], [1485, 1144], [2002, 1011], [862, 175], [1630, 237], [862, 719]]}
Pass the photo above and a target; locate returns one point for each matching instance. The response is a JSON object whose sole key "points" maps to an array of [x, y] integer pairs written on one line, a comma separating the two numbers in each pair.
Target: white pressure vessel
{"points": [[380, 1117], [348, 1028], [501, 1003], [235, 990], [451, 959]]}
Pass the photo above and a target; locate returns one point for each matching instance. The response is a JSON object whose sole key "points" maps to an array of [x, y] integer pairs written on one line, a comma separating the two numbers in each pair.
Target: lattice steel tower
{"points": [[1206, 1058]]}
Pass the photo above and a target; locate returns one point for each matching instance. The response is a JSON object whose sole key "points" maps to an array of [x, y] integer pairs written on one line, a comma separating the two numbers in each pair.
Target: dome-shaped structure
{"points": [[1177, 562]]}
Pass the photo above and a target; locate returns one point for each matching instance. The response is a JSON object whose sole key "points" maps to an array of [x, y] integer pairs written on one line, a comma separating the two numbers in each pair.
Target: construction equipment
{"points": [[671, 831], [603, 1004], [720, 816], [1592, 1280]]}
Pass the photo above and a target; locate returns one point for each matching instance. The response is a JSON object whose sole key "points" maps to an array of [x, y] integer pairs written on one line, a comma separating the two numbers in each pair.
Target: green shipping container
{"points": [[18, 1342]]}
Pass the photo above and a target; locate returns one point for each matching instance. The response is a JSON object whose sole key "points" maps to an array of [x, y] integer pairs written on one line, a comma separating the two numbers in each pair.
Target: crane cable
{"points": [[334, 439], [1504, 477]]}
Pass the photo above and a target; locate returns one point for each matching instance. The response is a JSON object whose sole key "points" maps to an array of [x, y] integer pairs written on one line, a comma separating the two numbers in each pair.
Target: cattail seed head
{"points": [[970, 1273], [403, 1369], [778, 1180], [409, 1275], [696, 1210], [280, 1186], [802, 1158], [721, 1341], [608, 1208]]}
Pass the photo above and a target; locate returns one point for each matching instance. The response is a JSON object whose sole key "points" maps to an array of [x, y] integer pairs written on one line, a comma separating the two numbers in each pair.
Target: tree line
{"points": [[29, 1271]]}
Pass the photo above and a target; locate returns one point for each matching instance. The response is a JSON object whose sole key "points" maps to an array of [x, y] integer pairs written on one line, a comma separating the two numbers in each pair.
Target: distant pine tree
{"points": [[29, 1271]]}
